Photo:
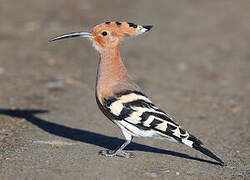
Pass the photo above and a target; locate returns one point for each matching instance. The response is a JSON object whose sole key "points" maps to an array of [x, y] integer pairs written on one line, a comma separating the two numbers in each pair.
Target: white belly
{"points": [[137, 132]]}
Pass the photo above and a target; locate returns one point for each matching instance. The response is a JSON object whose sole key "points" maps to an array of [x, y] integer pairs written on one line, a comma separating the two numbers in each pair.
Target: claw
{"points": [[125, 154], [107, 153]]}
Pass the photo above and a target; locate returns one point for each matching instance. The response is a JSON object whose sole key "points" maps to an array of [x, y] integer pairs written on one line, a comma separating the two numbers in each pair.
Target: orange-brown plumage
{"points": [[112, 75]]}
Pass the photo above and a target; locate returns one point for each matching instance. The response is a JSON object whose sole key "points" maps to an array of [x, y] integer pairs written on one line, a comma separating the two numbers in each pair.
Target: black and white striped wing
{"points": [[134, 110], [135, 114]]}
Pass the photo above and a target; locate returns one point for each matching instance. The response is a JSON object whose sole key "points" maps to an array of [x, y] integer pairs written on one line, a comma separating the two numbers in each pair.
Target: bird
{"points": [[121, 100]]}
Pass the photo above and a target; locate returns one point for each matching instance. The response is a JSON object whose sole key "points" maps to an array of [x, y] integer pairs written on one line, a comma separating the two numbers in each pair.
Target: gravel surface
{"points": [[194, 63]]}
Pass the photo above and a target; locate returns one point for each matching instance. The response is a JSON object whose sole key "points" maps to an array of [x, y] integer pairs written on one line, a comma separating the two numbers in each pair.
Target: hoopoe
{"points": [[123, 101]]}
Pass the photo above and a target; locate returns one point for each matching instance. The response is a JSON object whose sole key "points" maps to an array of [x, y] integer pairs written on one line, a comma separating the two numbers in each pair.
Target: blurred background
{"points": [[194, 63]]}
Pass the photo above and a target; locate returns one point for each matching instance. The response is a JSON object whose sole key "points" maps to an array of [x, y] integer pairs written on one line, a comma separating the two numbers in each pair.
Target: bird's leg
{"points": [[119, 151]]}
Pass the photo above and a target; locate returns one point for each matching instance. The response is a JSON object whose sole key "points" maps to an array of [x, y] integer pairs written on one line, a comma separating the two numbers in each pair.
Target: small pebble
{"points": [[151, 174], [248, 86], [51, 61], [182, 67], [60, 77], [54, 84], [232, 102], [239, 174], [224, 83], [166, 170], [1, 70], [31, 26]]}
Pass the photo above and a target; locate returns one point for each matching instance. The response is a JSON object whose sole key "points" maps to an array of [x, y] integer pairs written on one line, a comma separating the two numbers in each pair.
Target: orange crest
{"points": [[110, 34]]}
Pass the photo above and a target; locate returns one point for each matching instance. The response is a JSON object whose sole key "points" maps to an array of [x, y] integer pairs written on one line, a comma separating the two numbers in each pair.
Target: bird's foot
{"points": [[110, 153], [107, 153], [125, 154]]}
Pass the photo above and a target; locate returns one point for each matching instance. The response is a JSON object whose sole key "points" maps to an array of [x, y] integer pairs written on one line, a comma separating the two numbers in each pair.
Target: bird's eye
{"points": [[104, 33]]}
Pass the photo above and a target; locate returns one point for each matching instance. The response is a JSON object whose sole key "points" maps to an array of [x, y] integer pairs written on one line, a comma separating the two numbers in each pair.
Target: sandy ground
{"points": [[194, 63]]}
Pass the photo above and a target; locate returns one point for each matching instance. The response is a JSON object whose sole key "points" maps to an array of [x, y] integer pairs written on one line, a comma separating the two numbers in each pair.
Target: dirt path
{"points": [[195, 63]]}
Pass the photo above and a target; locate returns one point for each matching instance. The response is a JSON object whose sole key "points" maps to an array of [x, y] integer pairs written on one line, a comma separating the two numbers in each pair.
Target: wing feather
{"points": [[135, 108]]}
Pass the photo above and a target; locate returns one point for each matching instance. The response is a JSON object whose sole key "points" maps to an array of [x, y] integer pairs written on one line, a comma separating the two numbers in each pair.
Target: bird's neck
{"points": [[111, 72]]}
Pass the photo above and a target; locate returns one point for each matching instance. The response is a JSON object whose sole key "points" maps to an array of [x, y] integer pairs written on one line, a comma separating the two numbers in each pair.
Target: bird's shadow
{"points": [[89, 137]]}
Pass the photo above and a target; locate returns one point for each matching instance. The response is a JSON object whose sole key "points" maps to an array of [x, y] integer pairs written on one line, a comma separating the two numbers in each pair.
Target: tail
{"points": [[195, 143]]}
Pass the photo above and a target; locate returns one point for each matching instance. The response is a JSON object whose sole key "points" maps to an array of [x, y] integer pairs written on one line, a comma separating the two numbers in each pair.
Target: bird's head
{"points": [[108, 34]]}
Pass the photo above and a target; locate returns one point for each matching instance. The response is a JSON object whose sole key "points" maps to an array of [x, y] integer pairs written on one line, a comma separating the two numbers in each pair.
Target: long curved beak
{"points": [[73, 34]]}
